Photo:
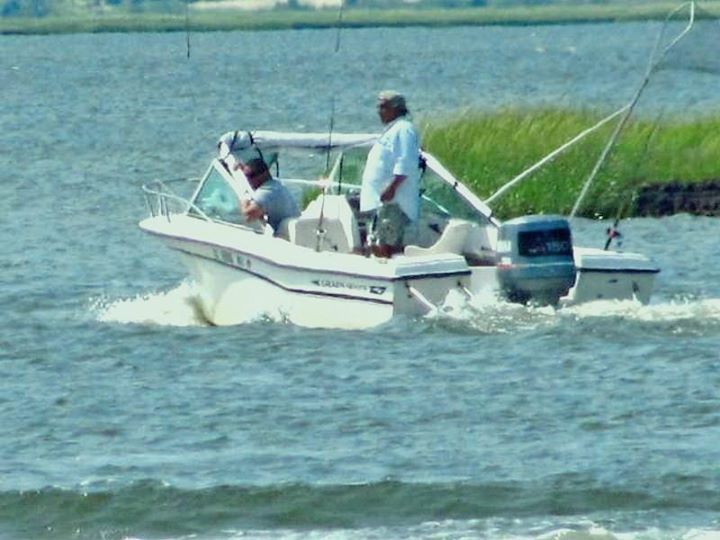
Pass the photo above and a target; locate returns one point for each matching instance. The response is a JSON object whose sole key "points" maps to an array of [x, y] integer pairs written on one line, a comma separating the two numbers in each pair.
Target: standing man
{"points": [[391, 179], [271, 200]]}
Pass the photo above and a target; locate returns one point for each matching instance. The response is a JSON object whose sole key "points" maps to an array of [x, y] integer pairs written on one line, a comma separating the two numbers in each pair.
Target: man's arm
{"points": [[251, 210], [389, 193], [405, 154]]}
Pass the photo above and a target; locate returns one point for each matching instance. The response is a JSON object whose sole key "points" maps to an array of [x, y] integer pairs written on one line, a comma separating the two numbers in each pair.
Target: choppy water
{"points": [[123, 416]]}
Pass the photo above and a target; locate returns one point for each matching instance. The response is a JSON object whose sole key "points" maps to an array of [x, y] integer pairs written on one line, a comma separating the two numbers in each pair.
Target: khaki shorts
{"points": [[388, 226]]}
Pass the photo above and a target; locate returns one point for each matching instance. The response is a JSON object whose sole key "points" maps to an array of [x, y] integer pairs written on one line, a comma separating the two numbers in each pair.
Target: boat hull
{"points": [[611, 275], [249, 275], [229, 295], [599, 275], [242, 274]]}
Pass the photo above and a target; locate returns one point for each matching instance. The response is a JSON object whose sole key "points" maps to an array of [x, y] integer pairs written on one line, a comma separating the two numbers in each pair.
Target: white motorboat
{"points": [[313, 272]]}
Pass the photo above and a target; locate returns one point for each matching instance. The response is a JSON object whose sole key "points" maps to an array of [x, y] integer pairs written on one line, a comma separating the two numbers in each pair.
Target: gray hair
{"points": [[395, 99]]}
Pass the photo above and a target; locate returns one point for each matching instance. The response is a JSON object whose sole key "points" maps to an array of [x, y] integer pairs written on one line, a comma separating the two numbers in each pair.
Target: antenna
{"points": [[187, 27], [338, 26], [320, 231]]}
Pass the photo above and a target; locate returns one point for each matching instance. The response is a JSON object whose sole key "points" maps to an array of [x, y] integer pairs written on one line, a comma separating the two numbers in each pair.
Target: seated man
{"points": [[271, 200]]}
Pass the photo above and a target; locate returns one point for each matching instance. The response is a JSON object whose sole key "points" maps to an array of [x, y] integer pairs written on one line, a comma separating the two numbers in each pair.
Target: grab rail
{"points": [[161, 200]]}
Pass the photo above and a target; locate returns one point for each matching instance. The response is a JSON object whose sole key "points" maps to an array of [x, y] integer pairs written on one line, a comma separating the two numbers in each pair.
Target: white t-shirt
{"points": [[397, 151]]}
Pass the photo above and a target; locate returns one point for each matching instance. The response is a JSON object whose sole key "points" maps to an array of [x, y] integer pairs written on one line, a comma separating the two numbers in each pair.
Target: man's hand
{"points": [[389, 193], [251, 210]]}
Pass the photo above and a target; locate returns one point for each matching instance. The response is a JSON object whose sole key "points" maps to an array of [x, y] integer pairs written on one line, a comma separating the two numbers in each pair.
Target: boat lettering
{"points": [[227, 257], [242, 262], [331, 283], [558, 247], [223, 255]]}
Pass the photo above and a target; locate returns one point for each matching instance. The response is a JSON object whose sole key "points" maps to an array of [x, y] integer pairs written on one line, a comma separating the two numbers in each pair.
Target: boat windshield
{"points": [[217, 199], [438, 198]]}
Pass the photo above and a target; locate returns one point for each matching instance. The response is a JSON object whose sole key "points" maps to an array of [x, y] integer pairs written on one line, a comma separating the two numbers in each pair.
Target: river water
{"points": [[123, 416]]}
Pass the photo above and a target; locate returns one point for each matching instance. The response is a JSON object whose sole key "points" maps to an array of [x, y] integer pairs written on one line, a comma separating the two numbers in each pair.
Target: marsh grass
{"points": [[486, 150], [173, 18]]}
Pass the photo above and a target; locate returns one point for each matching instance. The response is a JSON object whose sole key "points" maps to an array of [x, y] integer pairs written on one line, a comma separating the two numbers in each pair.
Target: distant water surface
{"points": [[124, 416]]}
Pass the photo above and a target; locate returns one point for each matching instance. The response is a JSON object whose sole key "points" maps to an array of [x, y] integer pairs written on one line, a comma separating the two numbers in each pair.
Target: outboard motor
{"points": [[535, 259]]}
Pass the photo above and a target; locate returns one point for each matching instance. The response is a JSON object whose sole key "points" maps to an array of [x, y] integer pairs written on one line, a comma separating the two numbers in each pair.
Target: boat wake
{"points": [[176, 307], [492, 315], [489, 314], [486, 314], [707, 310]]}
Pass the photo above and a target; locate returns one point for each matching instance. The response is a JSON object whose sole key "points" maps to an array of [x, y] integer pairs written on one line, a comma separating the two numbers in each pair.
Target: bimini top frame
{"points": [[235, 144]]}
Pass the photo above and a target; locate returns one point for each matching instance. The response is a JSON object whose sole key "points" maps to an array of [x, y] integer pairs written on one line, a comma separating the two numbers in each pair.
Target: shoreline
{"points": [[695, 190], [208, 20], [678, 197]]}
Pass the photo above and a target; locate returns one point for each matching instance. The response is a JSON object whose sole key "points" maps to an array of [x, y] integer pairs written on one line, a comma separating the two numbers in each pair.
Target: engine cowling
{"points": [[535, 259]]}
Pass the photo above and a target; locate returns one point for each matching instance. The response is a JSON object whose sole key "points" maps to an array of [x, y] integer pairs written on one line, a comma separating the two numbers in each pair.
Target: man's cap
{"points": [[395, 99]]}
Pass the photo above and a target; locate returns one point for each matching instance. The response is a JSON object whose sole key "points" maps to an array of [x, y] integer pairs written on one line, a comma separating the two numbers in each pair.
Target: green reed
{"points": [[171, 17], [488, 149]]}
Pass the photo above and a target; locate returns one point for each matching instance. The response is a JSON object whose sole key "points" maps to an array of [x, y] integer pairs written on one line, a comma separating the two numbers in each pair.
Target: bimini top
{"points": [[237, 145], [240, 141]]}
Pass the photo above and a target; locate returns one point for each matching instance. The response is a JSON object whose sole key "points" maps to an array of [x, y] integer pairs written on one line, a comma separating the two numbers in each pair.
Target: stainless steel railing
{"points": [[162, 199]]}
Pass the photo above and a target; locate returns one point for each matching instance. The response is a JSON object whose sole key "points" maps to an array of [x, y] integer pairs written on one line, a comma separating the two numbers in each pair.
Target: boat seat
{"points": [[340, 228], [479, 248], [452, 240], [283, 229]]}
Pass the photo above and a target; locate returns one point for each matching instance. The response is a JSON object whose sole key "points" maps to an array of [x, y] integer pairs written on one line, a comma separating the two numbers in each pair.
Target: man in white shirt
{"points": [[391, 179]]}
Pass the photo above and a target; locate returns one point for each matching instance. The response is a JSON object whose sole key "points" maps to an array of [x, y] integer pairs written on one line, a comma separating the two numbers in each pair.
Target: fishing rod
{"points": [[320, 232], [623, 111], [653, 62], [187, 27], [338, 26], [612, 232]]}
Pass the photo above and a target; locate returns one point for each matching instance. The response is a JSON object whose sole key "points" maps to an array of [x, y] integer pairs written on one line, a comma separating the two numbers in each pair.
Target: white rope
{"points": [[552, 155]]}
